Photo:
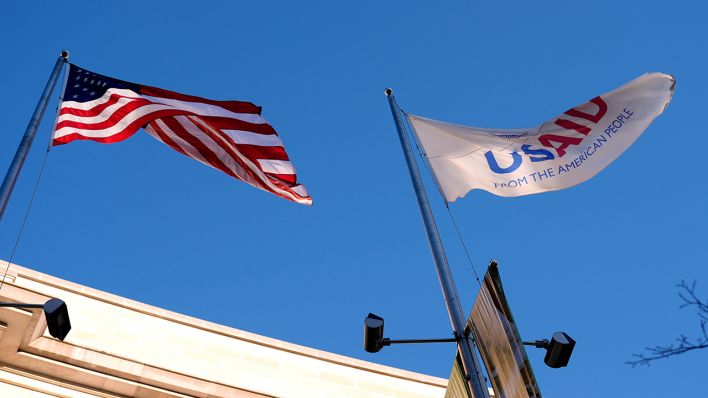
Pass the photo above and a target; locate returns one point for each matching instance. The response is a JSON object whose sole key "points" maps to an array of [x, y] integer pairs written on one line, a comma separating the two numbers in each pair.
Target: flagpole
{"points": [[465, 346], [13, 171]]}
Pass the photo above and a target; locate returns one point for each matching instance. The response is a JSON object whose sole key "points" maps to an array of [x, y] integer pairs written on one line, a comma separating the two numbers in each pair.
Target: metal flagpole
{"points": [[23, 149], [465, 346]]}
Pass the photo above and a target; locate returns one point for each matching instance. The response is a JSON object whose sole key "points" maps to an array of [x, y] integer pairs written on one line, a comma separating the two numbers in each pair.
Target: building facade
{"points": [[122, 348]]}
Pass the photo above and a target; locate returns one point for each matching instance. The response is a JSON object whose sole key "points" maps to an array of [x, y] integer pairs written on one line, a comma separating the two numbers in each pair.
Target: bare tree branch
{"points": [[687, 294]]}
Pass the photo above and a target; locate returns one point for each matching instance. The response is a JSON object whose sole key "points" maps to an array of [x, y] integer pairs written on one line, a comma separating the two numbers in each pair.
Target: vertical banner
{"points": [[499, 342], [456, 384]]}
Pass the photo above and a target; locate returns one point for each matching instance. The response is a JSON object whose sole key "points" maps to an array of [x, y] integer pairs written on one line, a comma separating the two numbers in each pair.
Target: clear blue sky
{"points": [[599, 260]]}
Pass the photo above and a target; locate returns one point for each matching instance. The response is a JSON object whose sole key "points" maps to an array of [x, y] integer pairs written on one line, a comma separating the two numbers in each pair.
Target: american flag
{"points": [[230, 136]]}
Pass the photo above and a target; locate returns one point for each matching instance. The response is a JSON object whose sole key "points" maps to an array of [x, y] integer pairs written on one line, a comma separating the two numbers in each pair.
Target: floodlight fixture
{"points": [[55, 312], [558, 349], [374, 339], [373, 333]]}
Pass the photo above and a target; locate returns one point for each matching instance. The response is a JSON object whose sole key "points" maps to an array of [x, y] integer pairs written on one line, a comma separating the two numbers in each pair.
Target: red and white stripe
{"points": [[230, 136]]}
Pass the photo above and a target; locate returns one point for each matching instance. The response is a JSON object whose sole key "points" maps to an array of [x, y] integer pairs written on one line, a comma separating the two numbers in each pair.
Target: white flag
{"points": [[559, 153]]}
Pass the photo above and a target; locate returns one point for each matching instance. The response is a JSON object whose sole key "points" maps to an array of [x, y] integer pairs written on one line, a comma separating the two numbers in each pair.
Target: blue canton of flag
{"points": [[83, 85]]}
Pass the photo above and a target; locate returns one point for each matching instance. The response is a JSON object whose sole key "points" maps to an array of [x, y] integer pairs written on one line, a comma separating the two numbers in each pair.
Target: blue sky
{"points": [[600, 260]]}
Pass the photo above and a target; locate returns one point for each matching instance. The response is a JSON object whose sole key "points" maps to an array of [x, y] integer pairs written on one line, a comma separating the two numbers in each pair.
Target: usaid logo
{"points": [[557, 143]]}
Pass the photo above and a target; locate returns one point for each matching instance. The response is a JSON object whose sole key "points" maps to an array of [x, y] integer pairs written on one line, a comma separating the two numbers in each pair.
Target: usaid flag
{"points": [[557, 154]]}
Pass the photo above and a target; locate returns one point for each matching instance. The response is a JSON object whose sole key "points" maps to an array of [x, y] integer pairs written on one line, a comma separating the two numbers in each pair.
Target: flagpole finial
{"points": [[65, 54], [388, 92]]}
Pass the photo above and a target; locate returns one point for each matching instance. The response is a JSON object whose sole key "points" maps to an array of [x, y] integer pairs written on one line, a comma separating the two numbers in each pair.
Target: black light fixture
{"points": [[373, 333], [558, 350], [55, 312], [374, 339]]}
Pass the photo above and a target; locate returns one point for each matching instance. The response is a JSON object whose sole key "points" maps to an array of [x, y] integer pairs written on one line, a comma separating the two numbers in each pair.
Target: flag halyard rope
{"points": [[24, 220], [447, 205], [34, 191]]}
